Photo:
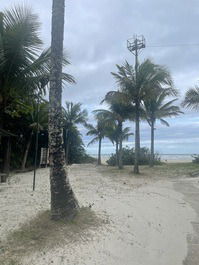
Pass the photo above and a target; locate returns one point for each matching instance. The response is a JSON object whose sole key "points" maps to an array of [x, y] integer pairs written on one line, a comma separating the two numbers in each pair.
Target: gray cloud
{"points": [[95, 39]]}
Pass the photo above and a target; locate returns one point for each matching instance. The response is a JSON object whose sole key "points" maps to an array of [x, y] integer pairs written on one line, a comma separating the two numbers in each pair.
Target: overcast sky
{"points": [[95, 40]]}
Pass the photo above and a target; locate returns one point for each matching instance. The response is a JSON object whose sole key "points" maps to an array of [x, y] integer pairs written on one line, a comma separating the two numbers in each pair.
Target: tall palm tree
{"points": [[155, 108], [63, 201], [192, 98], [99, 132], [72, 115], [137, 86]]}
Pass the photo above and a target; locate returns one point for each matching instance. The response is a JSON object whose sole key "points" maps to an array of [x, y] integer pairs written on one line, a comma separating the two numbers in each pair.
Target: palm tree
{"points": [[155, 108], [192, 98], [99, 132], [63, 201], [114, 135], [120, 110], [137, 86], [72, 115], [36, 119], [22, 65]]}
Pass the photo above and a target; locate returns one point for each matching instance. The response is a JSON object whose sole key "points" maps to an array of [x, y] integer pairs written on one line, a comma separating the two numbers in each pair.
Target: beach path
{"points": [[149, 221]]}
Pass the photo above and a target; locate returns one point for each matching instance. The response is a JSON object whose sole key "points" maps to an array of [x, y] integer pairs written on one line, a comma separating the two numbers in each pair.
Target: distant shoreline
{"points": [[168, 158]]}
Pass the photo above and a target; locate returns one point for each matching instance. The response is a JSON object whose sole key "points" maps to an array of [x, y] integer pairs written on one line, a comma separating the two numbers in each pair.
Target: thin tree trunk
{"points": [[63, 201], [137, 138], [117, 161], [23, 165], [152, 145], [67, 152], [99, 162], [120, 163], [6, 166]]}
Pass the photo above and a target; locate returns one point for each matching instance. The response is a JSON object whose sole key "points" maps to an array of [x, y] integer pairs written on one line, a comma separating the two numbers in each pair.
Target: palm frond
{"points": [[192, 98]]}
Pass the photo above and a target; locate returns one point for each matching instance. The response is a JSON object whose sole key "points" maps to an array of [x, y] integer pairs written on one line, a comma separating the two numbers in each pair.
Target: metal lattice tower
{"points": [[136, 44]]}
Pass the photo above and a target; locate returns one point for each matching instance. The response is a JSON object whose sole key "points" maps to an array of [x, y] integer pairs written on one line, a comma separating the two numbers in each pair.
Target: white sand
{"points": [[149, 221]]}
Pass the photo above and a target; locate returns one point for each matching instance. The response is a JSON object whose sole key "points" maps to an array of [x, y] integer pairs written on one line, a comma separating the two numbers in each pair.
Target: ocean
{"points": [[170, 158]]}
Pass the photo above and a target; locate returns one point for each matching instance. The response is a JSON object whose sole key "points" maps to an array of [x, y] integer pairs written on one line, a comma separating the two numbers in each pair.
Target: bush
{"points": [[128, 157], [195, 159]]}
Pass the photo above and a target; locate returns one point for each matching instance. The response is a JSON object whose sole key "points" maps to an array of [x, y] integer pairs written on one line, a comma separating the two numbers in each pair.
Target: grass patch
{"points": [[41, 234], [168, 170]]}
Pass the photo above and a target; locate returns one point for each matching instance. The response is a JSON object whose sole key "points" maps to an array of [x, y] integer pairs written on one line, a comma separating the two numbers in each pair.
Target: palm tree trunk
{"points": [[137, 137], [117, 153], [63, 201], [23, 165], [99, 162], [152, 145], [120, 164]]}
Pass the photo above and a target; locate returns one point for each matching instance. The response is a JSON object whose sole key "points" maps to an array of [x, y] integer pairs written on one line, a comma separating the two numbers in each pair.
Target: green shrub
{"points": [[195, 159], [128, 157]]}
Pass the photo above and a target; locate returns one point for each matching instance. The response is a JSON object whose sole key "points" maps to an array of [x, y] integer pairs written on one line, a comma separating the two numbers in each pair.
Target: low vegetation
{"points": [[128, 156], [42, 234]]}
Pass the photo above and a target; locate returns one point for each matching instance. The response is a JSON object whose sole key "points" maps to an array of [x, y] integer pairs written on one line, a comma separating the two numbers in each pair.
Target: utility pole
{"points": [[135, 45]]}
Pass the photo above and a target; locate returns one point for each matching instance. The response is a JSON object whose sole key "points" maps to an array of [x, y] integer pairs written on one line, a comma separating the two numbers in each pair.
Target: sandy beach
{"points": [[148, 221]]}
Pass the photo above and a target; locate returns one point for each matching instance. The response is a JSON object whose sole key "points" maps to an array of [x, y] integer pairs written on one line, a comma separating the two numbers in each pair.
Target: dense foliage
{"points": [[76, 151], [129, 157]]}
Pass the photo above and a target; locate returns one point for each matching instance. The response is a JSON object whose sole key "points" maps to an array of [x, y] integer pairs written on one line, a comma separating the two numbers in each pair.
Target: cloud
{"points": [[95, 39]]}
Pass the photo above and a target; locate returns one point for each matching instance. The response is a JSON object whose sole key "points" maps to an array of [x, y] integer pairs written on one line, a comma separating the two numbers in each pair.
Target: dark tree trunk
{"points": [[152, 145], [67, 151], [63, 201], [7, 154], [99, 152], [120, 163], [117, 151], [23, 165], [137, 137]]}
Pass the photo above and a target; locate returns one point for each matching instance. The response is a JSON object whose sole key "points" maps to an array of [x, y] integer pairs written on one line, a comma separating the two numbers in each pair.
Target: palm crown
{"points": [[192, 98]]}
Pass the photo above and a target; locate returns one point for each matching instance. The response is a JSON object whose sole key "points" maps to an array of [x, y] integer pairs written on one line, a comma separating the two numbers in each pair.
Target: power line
{"points": [[172, 45]]}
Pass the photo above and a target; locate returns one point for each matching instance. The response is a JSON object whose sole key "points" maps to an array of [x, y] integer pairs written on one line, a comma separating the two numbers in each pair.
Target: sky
{"points": [[95, 41]]}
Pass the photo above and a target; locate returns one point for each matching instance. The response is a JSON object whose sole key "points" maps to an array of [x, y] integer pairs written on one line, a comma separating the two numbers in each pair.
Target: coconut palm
{"points": [[72, 115], [114, 134], [63, 201], [120, 110], [36, 120], [137, 86], [156, 108], [192, 98], [99, 132], [22, 69]]}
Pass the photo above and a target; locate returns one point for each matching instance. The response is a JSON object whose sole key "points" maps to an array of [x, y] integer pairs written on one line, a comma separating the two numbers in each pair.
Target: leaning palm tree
{"points": [[137, 86], [192, 98], [99, 132], [63, 201], [155, 108], [72, 115]]}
